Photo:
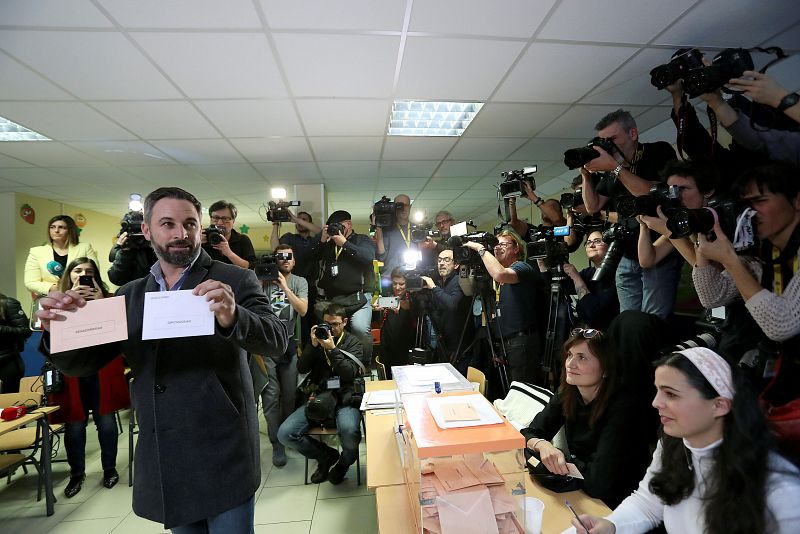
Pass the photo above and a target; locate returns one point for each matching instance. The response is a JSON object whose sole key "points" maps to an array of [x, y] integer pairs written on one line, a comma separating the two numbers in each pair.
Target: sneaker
{"points": [[323, 465], [337, 473], [278, 455], [110, 478], [74, 485]]}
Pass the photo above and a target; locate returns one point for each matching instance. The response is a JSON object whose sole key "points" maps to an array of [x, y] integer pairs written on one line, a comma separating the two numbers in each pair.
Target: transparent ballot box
{"points": [[423, 378], [462, 479]]}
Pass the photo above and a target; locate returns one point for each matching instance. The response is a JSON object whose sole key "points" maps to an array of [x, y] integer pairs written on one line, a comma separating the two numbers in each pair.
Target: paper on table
{"points": [[169, 314], [459, 411], [487, 414], [379, 399], [428, 374], [467, 512], [574, 472], [100, 321]]}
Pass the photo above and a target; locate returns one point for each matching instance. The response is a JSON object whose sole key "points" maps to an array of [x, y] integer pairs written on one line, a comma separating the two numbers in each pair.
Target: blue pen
{"points": [[576, 516]]}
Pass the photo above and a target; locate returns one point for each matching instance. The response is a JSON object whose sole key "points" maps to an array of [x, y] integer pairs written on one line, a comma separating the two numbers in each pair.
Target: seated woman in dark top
{"points": [[604, 426]]}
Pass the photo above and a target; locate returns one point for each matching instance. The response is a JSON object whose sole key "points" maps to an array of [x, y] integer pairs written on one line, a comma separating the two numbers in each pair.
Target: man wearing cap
{"points": [[345, 265]]}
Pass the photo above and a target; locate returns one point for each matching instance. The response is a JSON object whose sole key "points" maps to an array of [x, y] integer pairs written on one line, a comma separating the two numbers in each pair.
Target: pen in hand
{"points": [[576, 516]]}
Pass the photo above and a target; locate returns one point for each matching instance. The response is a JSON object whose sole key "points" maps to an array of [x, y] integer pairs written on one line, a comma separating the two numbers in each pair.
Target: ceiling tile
{"points": [[159, 120], [21, 83], [100, 176], [199, 151], [355, 170], [407, 169], [123, 152], [653, 117], [7, 161], [273, 149], [251, 118], [506, 18], [63, 121], [338, 65], [325, 117], [493, 148], [579, 121], [544, 149], [512, 120], [407, 184], [464, 168], [229, 174], [631, 82], [231, 14], [49, 154], [297, 173], [449, 183], [339, 15], [216, 65], [346, 148], [576, 20], [454, 69], [550, 72], [91, 65], [32, 176], [53, 13], [417, 148], [788, 40], [164, 174], [706, 28]]}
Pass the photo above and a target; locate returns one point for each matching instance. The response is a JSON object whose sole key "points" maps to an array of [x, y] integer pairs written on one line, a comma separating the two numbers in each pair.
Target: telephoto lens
{"points": [[323, 331]]}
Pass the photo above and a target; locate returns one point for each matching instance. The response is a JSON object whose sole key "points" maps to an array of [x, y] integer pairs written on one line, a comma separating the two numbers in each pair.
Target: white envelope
{"points": [[170, 314]]}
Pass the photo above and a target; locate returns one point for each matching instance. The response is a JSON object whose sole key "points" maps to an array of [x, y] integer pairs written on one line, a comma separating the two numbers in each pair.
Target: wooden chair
{"points": [[31, 383], [380, 368], [474, 375], [19, 447], [319, 433]]}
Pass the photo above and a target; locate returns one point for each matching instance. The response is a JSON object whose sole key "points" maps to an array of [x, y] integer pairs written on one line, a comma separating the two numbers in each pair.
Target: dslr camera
{"points": [[465, 256], [684, 221], [132, 224], [323, 331], [335, 229], [414, 278], [573, 200], [730, 63], [213, 235], [385, 211], [511, 186], [547, 243], [279, 211], [663, 195], [578, 157], [420, 232], [682, 62], [266, 267], [615, 236]]}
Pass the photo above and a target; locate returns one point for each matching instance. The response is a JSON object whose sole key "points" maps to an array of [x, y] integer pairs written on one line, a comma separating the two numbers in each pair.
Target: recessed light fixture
{"points": [[431, 119], [11, 131]]}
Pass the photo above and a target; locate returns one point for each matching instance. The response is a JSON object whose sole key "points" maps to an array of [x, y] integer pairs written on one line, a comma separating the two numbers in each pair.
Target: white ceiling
{"points": [[228, 99]]}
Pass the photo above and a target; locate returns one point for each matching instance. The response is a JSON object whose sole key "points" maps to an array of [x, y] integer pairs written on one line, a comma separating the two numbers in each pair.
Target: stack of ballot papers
{"points": [[376, 400], [466, 495], [459, 411]]}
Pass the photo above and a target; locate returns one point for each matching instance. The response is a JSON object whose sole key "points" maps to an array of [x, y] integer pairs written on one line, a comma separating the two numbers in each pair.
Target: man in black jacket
{"points": [[332, 360]]}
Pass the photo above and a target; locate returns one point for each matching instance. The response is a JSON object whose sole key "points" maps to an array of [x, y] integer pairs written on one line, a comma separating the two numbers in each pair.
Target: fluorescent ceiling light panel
{"points": [[11, 131], [437, 119]]}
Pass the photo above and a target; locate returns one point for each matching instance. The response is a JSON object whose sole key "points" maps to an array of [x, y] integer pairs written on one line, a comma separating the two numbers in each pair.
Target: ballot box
{"points": [[418, 379], [463, 465]]}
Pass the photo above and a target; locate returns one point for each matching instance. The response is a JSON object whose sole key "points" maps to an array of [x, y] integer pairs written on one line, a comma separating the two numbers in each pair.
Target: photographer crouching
{"points": [[517, 285]]}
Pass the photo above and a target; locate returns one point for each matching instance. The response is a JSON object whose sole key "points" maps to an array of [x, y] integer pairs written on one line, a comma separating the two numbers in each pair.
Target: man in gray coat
{"points": [[197, 456]]}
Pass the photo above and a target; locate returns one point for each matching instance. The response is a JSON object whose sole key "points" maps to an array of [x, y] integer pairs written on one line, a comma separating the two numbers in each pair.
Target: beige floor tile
{"points": [[87, 526], [286, 504], [32, 519], [290, 474], [353, 515], [348, 487], [295, 527], [105, 503], [133, 524]]}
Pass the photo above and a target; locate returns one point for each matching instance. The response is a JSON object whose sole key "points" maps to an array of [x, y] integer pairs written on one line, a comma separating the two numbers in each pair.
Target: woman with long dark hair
{"points": [[603, 425], [715, 469], [102, 394]]}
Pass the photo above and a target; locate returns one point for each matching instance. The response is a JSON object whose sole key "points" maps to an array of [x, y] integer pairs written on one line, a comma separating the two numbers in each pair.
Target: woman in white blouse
{"points": [[715, 469]]}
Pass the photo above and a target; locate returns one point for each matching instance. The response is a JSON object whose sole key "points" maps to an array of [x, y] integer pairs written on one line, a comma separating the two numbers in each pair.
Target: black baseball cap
{"points": [[339, 216]]}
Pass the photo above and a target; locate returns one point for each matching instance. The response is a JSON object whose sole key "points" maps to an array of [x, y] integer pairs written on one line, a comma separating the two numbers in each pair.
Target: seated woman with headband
{"points": [[715, 469]]}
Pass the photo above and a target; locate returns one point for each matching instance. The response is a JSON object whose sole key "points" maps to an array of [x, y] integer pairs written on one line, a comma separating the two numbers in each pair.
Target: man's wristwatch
{"points": [[481, 252], [788, 101], [617, 170], [539, 202]]}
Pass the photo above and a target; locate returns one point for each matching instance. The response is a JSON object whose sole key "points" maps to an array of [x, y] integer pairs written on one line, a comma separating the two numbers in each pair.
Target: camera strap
{"points": [[406, 237]]}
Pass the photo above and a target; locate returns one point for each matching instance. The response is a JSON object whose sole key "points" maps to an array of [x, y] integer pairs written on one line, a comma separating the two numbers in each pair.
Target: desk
{"points": [[39, 416]]}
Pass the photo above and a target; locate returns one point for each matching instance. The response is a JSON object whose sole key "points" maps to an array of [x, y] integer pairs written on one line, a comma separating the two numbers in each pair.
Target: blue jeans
{"points": [[75, 442], [360, 326], [238, 520], [650, 290], [293, 434], [278, 396]]}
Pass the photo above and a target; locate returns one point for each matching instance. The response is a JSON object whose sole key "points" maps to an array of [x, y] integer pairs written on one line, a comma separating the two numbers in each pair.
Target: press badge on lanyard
{"points": [[334, 270], [334, 382]]}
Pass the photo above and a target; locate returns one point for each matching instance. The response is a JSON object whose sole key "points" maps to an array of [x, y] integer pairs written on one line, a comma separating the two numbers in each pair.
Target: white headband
{"points": [[713, 367]]}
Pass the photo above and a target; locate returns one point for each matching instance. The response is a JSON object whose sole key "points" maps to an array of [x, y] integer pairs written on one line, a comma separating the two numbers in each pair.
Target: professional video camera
{"points": [[547, 243], [571, 201], [663, 195], [511, 186], [578, 157], [420, 232], [679, 65], [615, 236], [213, 235], [466, 256], [323, 331], [279, 210], [684, 221], [730, 63], [414, 278], [266, 267], [132, 224], [385, 211]]}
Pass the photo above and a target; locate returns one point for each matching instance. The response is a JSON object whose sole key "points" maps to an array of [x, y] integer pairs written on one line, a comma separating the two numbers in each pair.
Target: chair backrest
{"points": [[474, 375], [23, 397], [381, 368], [31, 383]]}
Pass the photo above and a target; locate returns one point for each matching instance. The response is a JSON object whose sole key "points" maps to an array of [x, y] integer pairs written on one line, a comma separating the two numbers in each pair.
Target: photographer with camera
{"points": [[518, 287], [394, 240], [346, 266], [630, 169], [222, 242], [288, 298], [332, 361], [131, 256], [300, 241], [398, 323], [551, 211]]}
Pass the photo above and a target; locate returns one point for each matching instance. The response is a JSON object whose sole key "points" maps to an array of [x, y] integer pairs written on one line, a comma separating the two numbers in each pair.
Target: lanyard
{"points": [[777, 280], [335, 345], [337, 251], [497, 288], [406, 238]]}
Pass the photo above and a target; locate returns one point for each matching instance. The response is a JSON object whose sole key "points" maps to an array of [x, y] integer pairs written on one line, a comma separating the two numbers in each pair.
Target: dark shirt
{"points": [[612, 455], [354, 264], [449, 314], [601, 304], [396, 241], [240, 245], [301, 247], [130, 264], [518, 302], [314, 361], [398, 331]]}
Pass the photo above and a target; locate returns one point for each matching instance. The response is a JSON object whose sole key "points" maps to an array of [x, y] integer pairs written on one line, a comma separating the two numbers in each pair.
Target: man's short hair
{"points": [[335, 309], [624, 118], [220, 205], [704, 173], [283, 246], [169, 192], [446, 214], [779, 178], [398, 272], [521, 248], [310, 218]]}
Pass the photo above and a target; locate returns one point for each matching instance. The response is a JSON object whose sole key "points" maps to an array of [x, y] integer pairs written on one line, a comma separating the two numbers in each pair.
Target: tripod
{"points": [[557, 327]]}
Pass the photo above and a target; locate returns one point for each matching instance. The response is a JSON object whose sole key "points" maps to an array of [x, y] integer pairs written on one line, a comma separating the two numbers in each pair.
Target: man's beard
{"points": [[180, 258], [301, 229]]}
